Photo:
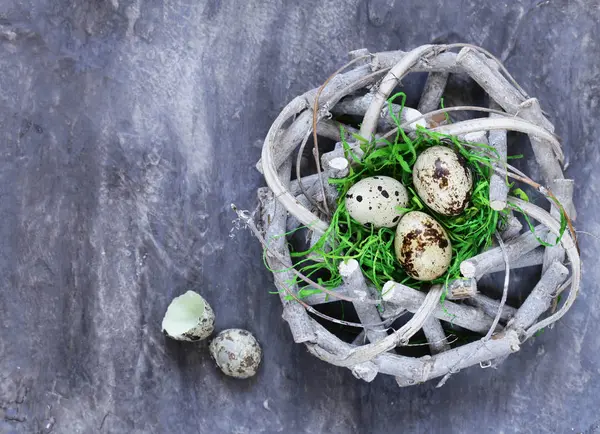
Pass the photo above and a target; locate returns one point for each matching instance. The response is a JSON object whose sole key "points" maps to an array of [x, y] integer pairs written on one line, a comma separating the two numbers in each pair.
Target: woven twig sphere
{"points": [[284, 206]]}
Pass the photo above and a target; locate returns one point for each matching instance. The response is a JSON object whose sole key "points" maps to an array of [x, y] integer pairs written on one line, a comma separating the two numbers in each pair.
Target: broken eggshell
{"points": [[373, 201], [189, 318], [442, 180], [422, 246], [236, 352]]}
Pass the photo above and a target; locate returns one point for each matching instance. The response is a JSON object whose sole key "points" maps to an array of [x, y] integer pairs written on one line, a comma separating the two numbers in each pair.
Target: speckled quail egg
{"points": [[236, 352], [422, 246], [442, 180], [373, 201], [189, 318]]}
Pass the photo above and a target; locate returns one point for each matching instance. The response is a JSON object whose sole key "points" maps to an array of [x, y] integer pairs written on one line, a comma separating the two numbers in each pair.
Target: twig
{"points": [[540, 298], [288, 265], [498, 184], [461, 315], [512, 228], [314, 125], [490, 306], [563, 190], [504, 290], [445, 110], [480, 264], [529, 259], [433, 91], [386, 86], [572, 250], [460, 289], [355, 284], [299, 176]]}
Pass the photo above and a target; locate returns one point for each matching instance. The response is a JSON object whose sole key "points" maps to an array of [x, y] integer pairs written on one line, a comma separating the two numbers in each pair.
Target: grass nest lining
{"points": [[355, 259], [345, 239]]}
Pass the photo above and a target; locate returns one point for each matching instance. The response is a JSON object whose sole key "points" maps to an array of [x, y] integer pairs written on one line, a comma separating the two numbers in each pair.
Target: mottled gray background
{"points": [[127, 127]]}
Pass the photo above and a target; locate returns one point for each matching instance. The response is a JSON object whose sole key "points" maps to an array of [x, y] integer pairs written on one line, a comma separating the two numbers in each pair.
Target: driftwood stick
{"points": [[400, 337], [460, 289], [529, 259], [433, 91], [568, 241], [274, 218], [436, 337], [540, 298], [463, 316], [270, 169], [479, 265], [491, 306], [460, 358], [512, 228], [547, 153], [498, 184], [307, 182], [563, 190], [443, 62], [389, 82], [499, 123], [357, 287], [292, 222], [358, 106], [338, 87], [331, 129], [322, 298]]}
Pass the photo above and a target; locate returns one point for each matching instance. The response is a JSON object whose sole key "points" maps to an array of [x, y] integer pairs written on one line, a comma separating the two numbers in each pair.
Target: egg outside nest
{"points": [[189, 318], [374, 201], [443, 180], [236, 352], [422, 246]]}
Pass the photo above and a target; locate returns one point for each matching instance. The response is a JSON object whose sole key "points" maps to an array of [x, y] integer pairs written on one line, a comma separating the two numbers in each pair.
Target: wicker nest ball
{"points": [[364, 91]]}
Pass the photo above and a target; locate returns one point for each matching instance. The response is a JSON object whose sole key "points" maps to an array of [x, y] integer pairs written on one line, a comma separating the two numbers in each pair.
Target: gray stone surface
{"points": [[127, 127]]}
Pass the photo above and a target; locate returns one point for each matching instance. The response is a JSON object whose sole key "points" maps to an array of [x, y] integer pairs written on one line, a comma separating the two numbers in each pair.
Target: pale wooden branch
{"points": [[498, 184], [337, 88], [512, 229], [547, 153], [540, 298], [459, 289], [499, 123], [369, 123], [563, 191], [358, 106], [570, 246], [292, 222], [504, 289], [399, 337], [433, 91], [461, 315], [479, 265], [275, 216], [529, 259], [436, 337], [443, 62], [357, 286], [460, 358], [491, 306], [331, 129]]}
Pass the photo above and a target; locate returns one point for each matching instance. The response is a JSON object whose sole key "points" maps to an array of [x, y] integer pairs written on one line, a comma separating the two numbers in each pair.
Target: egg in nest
{"points": [[374, 201], [422, 246], [442, 180]]}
